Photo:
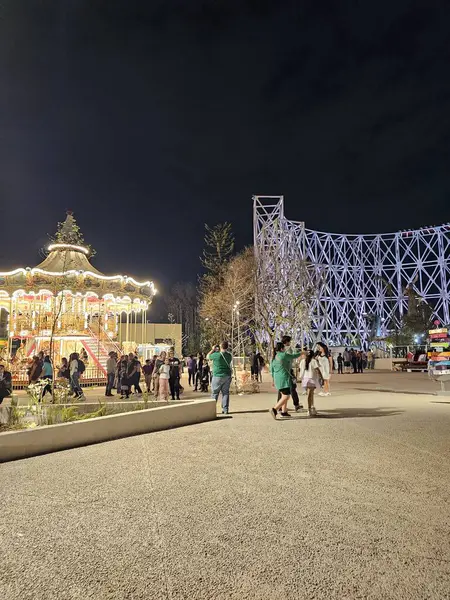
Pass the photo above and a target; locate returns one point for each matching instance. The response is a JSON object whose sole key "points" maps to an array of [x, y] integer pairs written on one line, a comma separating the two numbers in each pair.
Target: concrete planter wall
{"points": [[50, 438]]}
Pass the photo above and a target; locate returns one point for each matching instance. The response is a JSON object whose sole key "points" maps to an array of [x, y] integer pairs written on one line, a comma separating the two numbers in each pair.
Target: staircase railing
{"points": [[105, 339]]}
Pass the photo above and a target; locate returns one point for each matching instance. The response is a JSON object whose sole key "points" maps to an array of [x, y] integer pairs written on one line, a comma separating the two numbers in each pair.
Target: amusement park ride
{"points": [[66, 305], [366, 283]]}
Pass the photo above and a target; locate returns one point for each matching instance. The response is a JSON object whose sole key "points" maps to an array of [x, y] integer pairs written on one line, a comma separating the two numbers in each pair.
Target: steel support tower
{"points": [[366, 279]]}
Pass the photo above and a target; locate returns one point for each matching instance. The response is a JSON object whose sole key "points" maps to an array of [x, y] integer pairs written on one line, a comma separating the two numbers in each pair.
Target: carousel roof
{"points": [[69, 255], [63, 258]]}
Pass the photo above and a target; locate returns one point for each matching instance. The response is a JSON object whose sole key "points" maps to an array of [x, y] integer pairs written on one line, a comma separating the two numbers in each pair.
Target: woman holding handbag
{"points": [[280, 367], [309, 375]]}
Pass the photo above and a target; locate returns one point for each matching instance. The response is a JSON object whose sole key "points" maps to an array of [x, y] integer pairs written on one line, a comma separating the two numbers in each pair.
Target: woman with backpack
{"points": [[309, 376], [47, 374], [76, 369], [280, 368]]}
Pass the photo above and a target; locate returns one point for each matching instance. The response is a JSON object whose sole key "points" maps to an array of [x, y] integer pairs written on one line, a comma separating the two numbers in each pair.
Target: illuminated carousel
{"points": [[66, 305]]}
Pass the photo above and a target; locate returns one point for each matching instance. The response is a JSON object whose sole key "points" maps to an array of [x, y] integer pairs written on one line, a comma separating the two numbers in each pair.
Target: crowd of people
{"points": [[72, 369], [314, 372], [358, 360], [162, 374]]}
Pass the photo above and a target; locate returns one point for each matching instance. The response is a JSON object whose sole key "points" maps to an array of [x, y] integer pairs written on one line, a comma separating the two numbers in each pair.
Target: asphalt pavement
{"points": [[351, 505]]}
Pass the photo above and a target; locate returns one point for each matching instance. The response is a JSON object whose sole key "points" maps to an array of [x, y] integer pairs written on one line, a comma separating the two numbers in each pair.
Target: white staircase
{"points": [[97, 352], [99, 349]]}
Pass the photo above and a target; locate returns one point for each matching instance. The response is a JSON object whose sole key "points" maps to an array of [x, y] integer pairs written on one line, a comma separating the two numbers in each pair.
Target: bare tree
{"points": [[287, 291], [228, 311]]}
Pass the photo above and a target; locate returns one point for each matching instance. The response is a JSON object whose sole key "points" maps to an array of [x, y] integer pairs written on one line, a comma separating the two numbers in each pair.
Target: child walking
{"points": [[164, 374], [309, 375]]}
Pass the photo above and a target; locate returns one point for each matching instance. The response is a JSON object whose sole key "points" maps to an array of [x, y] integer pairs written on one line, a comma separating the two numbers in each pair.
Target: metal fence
{"points": [[92, 376]]}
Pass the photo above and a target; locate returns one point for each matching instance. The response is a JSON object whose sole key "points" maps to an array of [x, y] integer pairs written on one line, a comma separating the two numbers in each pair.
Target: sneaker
{"points": [[312, 412], [321, 394], [328, 394], [299, 408], [285, 415], [273, 412]]}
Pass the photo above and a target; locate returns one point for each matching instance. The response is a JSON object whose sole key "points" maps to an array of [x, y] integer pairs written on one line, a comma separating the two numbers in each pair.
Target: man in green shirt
{"points": [[222, 361]]}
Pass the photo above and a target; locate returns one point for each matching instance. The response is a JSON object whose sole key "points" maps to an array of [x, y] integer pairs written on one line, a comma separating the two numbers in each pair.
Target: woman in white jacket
{"points": [[309, 372], [326, 366]]}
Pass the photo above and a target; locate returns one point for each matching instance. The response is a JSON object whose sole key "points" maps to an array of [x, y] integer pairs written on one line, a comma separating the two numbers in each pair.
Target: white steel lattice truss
{"points": [[363, 277]]}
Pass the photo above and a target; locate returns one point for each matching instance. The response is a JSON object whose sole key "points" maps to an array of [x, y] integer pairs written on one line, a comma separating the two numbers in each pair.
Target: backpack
{"points": [[81, 366]]}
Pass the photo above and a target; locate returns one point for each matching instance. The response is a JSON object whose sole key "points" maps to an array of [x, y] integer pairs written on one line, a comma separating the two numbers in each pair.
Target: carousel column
{"points": [[10, 328], [143, 324], [99, 334], [128, 327]]}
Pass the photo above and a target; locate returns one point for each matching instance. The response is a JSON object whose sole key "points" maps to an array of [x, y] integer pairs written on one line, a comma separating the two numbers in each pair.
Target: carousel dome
{"points": [[65, 303]]}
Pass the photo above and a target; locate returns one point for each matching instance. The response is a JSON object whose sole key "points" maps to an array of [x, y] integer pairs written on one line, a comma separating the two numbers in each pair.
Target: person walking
{"points": [[254, 365], [347, 360], [192, 369], [123, 384], [340, 362], [198, 375], [5, 383], [360, 362], [148, 373], [134, 373], [47, 375], [260, 367], [222, 362], [164, 375], [64, 371], [111, 364], [175, 375], [309, 376], [35, 370], [295, 399], [280, 368], [75, 376], [326, 367], [158, 363]]}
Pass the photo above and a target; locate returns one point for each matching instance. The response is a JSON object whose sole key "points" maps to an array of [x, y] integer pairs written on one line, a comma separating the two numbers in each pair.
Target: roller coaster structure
{"points": [[367, 280]]}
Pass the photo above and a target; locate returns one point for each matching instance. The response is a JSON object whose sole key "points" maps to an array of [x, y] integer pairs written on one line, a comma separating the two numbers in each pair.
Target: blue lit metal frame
{"points": [[364, 276]]}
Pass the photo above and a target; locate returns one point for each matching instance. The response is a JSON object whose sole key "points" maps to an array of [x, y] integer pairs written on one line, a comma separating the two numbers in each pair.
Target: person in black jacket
{"points": [[5, 383]]}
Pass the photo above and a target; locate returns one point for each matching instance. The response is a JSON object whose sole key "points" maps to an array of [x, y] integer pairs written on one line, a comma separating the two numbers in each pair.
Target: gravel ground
{"points": [[354, 504]]}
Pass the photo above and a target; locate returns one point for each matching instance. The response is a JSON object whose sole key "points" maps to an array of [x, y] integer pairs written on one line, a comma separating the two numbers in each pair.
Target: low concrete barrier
{"points": [[51, 438], [383, 364]]}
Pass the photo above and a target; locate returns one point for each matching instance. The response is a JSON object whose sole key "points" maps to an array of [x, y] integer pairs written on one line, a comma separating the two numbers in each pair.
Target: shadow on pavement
{"points": [[351, 413], [440, 402], [250, 412]]}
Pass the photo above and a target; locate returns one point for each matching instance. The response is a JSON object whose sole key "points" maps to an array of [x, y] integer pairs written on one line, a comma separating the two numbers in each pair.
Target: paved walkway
{"points": [[351, 505]]}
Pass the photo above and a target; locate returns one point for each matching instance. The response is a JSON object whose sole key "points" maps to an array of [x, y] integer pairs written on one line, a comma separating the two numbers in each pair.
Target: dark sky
{"points": [[150, 118]]}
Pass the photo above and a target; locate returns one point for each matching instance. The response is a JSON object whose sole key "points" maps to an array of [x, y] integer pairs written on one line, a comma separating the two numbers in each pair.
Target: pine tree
{"points": [[69, 232], [219, 242]]}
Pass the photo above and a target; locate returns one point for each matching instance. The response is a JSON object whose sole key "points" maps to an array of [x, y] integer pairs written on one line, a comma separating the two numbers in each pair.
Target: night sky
{"points": [[150, 118]]}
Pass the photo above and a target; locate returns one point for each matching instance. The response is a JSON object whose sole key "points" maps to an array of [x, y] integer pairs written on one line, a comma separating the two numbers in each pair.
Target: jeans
{"points": [[222, 384], [109, 384], [135, 382], [75, 384], [174, 384], [191, 376]]}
